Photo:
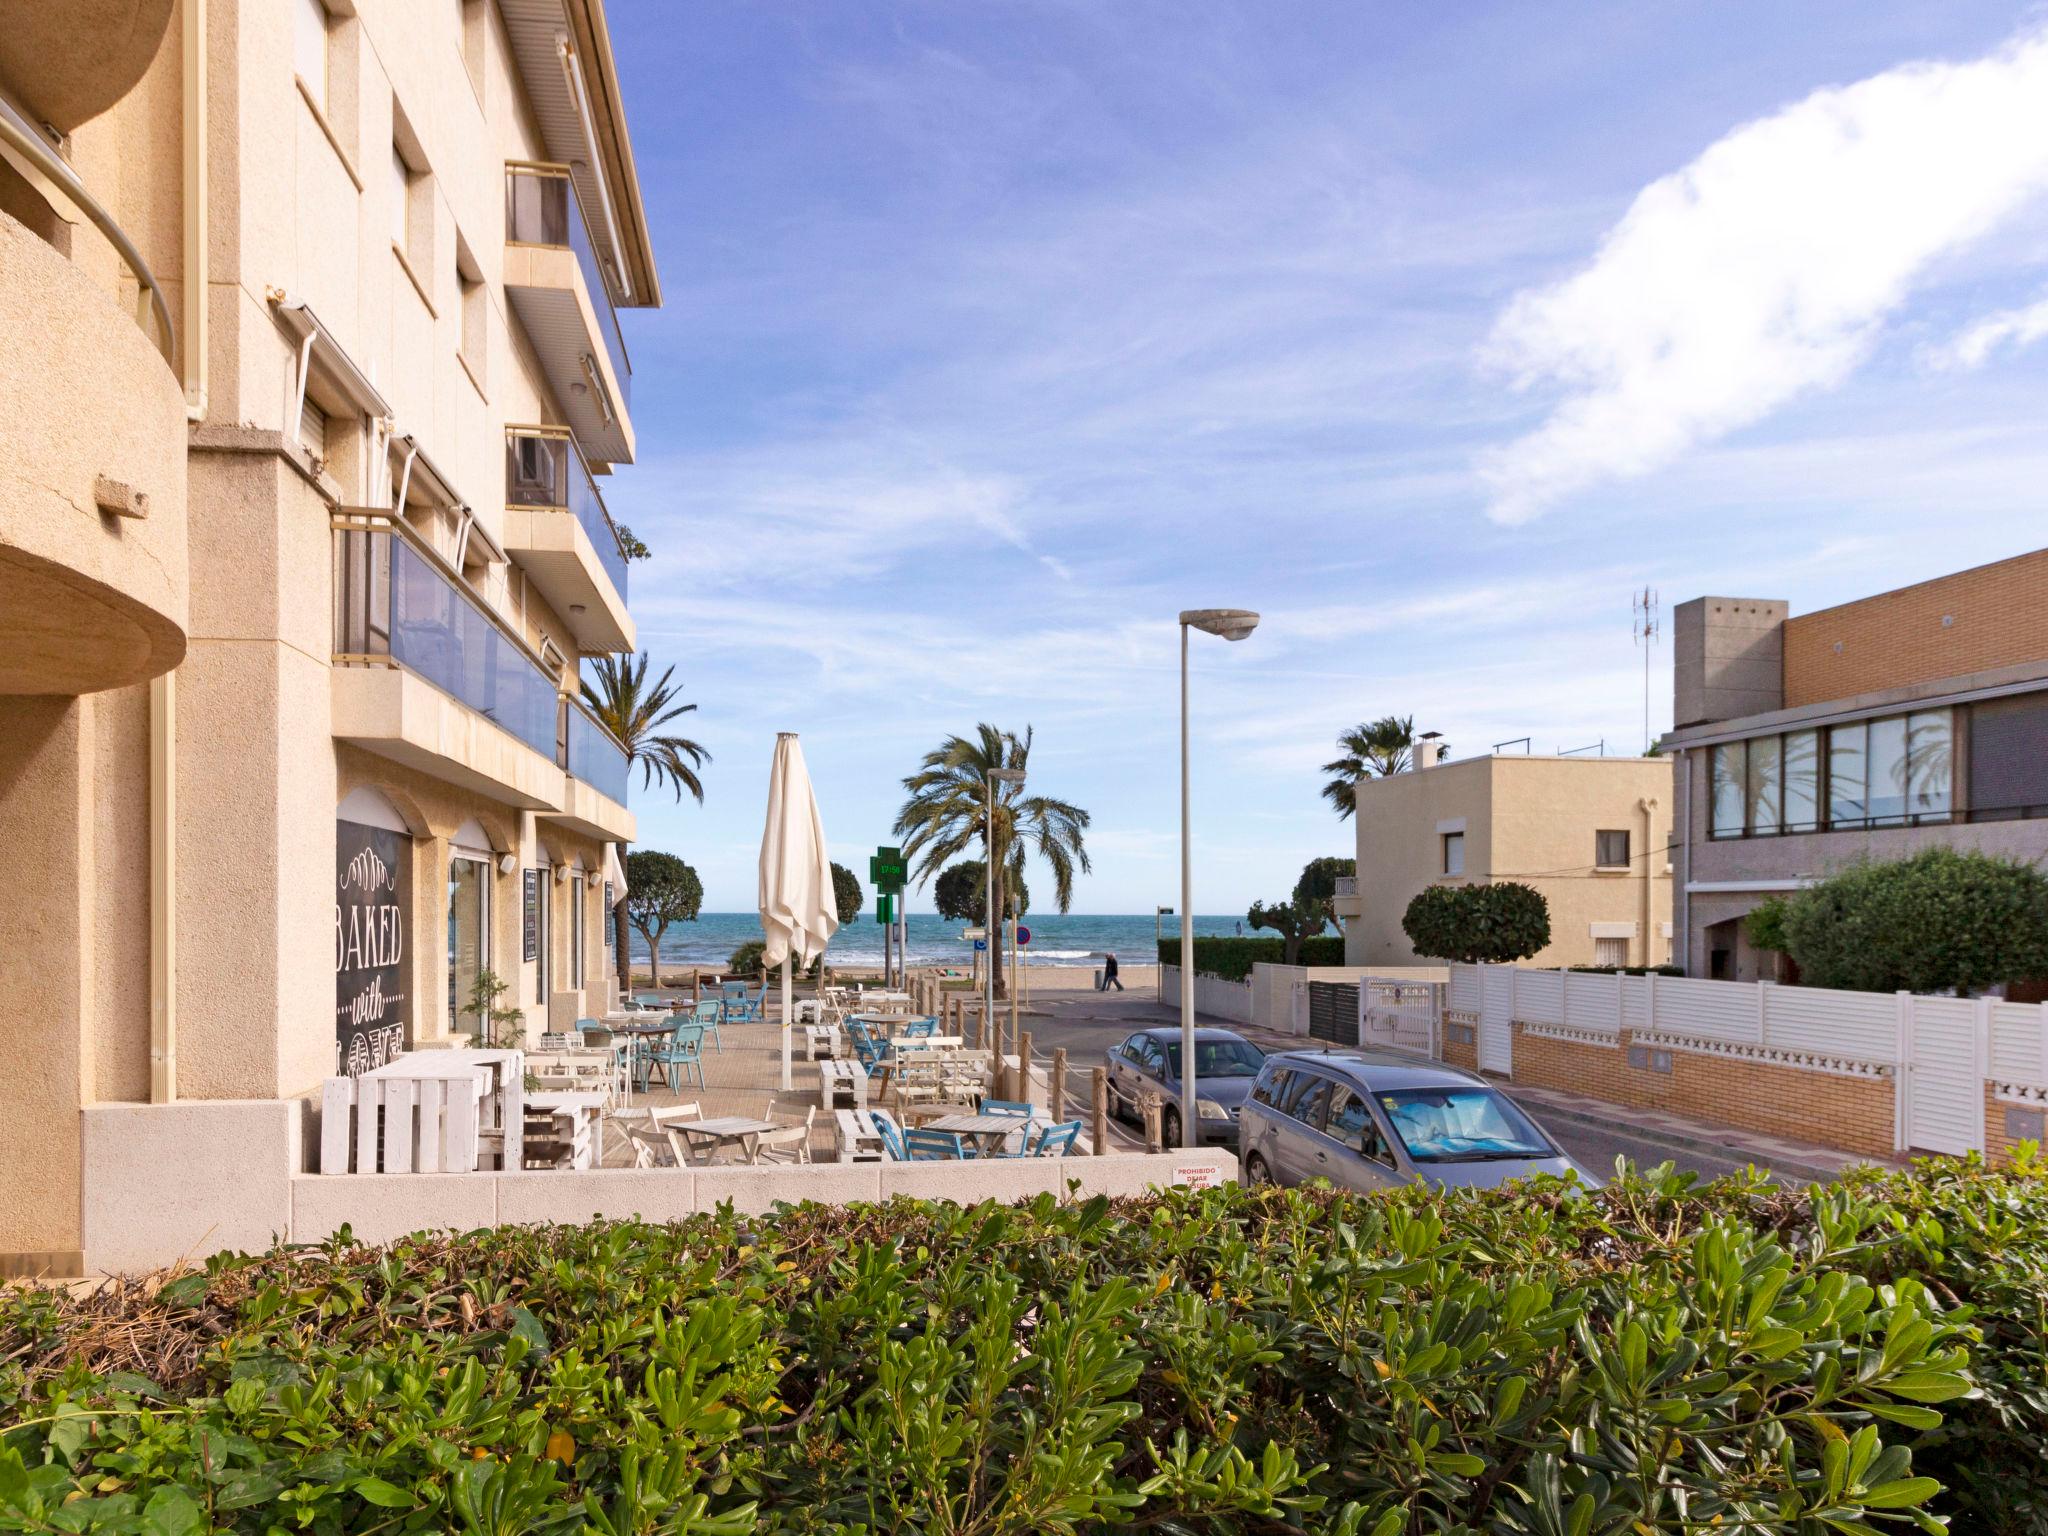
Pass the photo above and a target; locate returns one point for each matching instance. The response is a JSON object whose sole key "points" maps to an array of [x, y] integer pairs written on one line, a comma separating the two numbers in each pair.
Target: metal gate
{"points": [[1944, 1076], [1399, 1015], [1333, 1012], [1496, 1016]]}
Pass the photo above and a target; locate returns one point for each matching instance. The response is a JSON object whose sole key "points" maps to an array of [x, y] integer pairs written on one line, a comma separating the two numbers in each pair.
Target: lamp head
{"points": [[1007, 775], [1230, 623]]}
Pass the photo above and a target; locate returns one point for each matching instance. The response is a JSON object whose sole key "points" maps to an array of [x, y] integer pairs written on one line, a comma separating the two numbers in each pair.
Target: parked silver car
{"points": [[1365, 1123], [1149, 1062]]}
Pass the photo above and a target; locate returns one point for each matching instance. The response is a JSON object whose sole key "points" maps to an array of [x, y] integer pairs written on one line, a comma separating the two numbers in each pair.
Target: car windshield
{"points": [[1462, 1125], [1218, 1058]]}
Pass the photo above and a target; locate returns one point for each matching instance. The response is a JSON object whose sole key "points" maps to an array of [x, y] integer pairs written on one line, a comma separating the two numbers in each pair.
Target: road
{"points": [[1087, 1024]]}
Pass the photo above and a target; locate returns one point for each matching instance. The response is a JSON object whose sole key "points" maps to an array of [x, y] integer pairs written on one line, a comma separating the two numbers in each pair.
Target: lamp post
{"points": [[1231, 624], [992, 923]]}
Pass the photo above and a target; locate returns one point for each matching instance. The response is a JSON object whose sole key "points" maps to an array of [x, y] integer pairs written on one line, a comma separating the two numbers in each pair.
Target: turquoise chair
{"points": [[920, 1029], [892, 1137], [680, 1059], [707, 1013], [926, 1145], [870, 1051], [732, 997], [1052, 1140], [1007, 1107]]}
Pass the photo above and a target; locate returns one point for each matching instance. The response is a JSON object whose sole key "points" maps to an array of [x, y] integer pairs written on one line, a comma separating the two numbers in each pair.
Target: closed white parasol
{"points": [[798, 915]]}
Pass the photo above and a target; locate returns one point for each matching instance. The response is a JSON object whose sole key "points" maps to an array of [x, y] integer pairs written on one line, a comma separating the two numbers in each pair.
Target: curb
{"points": [[1679, 1141]]}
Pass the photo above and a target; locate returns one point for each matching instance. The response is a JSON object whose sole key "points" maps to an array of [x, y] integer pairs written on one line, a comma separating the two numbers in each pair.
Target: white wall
{"points": [[1214, 997]]}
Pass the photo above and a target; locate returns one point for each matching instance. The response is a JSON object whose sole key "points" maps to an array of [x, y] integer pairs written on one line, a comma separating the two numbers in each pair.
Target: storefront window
{"points": [[1726, 792], [469, 927]]}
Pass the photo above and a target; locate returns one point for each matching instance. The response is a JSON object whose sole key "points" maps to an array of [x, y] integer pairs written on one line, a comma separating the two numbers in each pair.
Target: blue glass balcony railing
{"points": [[542, 208], [393, 601], [546, 469], [594, 755]]}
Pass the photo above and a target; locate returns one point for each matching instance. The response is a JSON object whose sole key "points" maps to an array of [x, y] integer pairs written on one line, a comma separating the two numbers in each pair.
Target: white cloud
{"points": [[1765, 268], [1974, 346]]}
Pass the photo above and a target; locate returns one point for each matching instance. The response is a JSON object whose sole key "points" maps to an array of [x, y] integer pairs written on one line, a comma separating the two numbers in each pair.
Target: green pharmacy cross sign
{"points": [[888, 871]]}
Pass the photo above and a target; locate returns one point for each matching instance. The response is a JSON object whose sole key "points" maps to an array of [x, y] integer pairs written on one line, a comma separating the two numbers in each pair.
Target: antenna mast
{"points": [[1644, 629]]}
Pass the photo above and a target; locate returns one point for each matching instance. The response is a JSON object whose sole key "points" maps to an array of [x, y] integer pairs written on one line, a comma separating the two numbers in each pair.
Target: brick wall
{"points": [[2002, 1119], [1464, 1054], [1852, 1114], [1996, 618]]}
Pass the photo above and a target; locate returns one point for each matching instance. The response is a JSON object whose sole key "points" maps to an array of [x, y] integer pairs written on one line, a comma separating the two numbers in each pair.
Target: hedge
{"points": [[1657, 1357], [1233, 959]]}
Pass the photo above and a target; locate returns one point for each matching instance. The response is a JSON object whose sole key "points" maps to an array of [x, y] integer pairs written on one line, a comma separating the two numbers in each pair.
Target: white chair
{"points": [[790, 1142], [648, 1135]]}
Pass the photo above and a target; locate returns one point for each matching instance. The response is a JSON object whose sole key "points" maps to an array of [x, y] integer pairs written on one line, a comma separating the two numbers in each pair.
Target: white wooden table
{"points": [[859, 1141], [987, 1132], [821, 1040], [740, 1131], [839, 1081], [577, 1125]]}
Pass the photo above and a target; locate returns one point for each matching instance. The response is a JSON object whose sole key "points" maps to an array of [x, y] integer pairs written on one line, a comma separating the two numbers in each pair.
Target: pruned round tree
{"points": [[960, 894], [1478, 924], [1942, 920], [660, 889], [847, 894]]}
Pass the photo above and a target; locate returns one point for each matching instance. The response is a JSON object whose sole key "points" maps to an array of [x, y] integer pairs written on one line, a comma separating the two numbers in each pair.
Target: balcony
{"points": [[558, 290], [557, 529], [93, 588], [426, 675], [594, 799], [1346, 902]]}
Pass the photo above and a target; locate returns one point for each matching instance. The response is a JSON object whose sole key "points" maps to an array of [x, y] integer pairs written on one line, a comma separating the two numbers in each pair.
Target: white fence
{"points": [[1214, 996], [1939, 1051]]}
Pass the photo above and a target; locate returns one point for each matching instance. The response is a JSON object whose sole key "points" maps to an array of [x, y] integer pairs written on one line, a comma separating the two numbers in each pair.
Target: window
{"points": [[309, 48], [543, 914], [469, 930], [1462, 1125], [1802, 781], [2008, 762], [1454, 853], [1610, 849], [576, 893], [1726, 790], [1350, 1122], [1309, 1100], [1887, 763], [401, 201], [474, 343], [1763, 793], [1272, 1088], [1610, 952], [1848, 774], [1930, 763]]}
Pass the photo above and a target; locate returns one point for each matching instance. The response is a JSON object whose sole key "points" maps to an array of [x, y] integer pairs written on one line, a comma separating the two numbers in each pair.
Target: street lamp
{"points": [[992, 923], [1231, 624]]}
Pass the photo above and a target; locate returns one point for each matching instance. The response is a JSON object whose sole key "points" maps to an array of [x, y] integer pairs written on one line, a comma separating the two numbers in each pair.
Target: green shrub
{"points": [[1943, 919], [1657, 1357], [1230, 959], [1478, 924]]}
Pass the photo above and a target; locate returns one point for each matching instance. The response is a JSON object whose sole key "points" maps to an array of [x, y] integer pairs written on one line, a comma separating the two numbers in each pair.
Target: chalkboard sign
{"points": [[372, 904], [530, 916]]}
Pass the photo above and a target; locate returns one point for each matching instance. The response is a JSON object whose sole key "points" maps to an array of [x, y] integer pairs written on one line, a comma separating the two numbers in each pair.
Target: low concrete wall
{"points": [[1280, 992], [1214, 997], [166, 1183]]}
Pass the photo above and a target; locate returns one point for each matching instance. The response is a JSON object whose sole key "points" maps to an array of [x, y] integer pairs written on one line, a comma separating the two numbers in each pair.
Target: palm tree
{"points": [[947, 813], [632, 710], [1374, 751]]}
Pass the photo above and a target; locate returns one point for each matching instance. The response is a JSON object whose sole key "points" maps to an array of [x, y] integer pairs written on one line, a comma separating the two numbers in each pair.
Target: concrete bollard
{"points": [[1098, 1094], [1058, 1106], [1149, 1109]]}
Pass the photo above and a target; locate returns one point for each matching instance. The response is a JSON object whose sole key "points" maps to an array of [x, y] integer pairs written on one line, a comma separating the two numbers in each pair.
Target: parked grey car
{"points": [[1365, 1123], [1226, 1066]]}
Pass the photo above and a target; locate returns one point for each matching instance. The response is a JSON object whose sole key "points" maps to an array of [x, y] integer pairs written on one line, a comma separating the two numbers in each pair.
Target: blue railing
{"points": [[546, 469], [594, 756], [542, 208], [448, 638]]}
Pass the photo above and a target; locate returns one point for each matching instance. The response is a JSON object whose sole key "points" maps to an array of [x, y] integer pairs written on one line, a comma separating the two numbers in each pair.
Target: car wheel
{"points": [[1169, 1128], [1256, 1171]]}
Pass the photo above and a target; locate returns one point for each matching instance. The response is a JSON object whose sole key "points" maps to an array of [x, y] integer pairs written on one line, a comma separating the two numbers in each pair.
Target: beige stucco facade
{"points": [[1534, 820], [285, 315]]}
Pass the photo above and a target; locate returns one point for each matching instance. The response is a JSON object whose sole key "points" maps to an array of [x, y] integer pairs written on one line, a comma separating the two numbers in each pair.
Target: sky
{"points": [[997, 333]]}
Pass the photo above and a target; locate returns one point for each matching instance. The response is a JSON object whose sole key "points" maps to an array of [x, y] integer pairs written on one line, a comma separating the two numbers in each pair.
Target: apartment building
{"points": [[1868, 730], [1590, 833], [315, 371]]}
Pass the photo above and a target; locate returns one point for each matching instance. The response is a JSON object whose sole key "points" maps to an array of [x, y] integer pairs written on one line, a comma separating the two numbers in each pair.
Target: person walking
{"points": [[1109, 977]]}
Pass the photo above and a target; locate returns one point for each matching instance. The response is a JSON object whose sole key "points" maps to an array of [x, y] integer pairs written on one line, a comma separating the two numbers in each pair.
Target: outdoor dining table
{"points": [[741, 1131], [639, 1034], [987, 1132], [579, 1122]]}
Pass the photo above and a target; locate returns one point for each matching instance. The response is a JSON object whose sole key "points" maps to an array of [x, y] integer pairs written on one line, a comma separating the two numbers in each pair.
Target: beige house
{"points": [[1870, 730], [314, 371], [1590, 833]]}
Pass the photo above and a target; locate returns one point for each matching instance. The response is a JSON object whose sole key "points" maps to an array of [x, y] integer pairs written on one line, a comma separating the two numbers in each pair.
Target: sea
{"points": [[1075, 938]]}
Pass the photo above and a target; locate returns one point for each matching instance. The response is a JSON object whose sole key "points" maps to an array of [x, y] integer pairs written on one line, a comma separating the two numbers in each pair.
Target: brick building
{"points": [[1871, 729]]}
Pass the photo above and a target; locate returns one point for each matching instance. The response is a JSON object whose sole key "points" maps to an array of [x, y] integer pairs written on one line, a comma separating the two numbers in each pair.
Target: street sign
{"points": [[885, 909], [976, 934], [981, 943], [1023, 936], [888, 871]]}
